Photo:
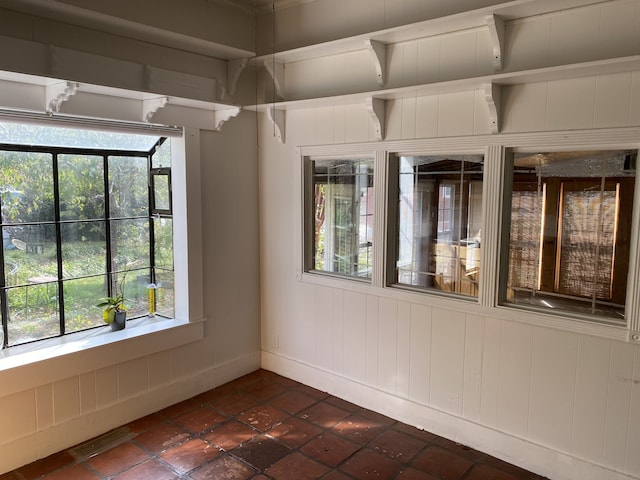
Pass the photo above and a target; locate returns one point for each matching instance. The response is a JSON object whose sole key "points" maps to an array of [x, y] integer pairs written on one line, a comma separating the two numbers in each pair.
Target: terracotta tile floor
{"points": [[263, 426]]}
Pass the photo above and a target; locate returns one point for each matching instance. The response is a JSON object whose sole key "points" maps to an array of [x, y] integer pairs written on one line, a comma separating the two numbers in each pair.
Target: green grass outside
{"points": [[33, 306]]}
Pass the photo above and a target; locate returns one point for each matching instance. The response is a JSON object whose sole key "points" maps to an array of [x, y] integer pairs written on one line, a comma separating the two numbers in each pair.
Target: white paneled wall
{"points": [[315, 22], [561, 403], [553, 373], [546, 106], [514, 378], [593, 360], [570, 393]]}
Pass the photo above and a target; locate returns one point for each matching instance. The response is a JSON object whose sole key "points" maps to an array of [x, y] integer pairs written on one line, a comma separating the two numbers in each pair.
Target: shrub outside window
{"points": [[570, 232], [339, 198], [438, 213]]}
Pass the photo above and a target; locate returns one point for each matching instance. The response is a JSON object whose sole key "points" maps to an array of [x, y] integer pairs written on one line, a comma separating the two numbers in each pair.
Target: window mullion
{"points": [[107, 225], [379, 218], [56, 206], [494, 179], [152, 236], [632, 310], [4, 302]]}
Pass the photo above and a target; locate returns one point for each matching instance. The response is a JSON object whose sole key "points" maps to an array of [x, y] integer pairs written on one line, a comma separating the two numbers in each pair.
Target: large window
{"points": [[570, 231], [438, 208], [549, 233], [340, 216], [76, 225]]}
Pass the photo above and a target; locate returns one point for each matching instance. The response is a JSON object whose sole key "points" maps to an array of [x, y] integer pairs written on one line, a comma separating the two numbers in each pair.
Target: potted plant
{"points": [[115, 313]]}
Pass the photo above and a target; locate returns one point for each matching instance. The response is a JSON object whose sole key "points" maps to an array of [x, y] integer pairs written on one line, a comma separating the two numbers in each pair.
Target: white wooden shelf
{"points": [[436, 26], [599, 67], [47, 95], [490, 83], [491, 17]]}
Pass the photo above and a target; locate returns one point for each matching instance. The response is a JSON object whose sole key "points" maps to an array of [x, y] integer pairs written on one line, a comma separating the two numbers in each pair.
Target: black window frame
{"points": [[111, 273]]}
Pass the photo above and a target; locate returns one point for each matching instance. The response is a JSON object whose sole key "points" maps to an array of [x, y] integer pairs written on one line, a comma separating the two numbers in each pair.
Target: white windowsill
{"points": [[26, 366]]}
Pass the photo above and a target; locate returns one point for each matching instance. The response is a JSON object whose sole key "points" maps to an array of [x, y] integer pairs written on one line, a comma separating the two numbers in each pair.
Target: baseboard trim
{"points": [[517, 451]]}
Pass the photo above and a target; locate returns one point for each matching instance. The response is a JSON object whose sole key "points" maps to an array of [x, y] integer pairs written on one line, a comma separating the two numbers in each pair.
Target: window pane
{"points": [[162, 156], [163, 232], [161, 192], [26, 187], [587, 242], [130, 244], [164, 293], [30, 134], [343, 216], [83, 249], [33, 312], [81, 184], [80, 298], [30, 255], [128, 187], [526, 237], [136, 293], [569, 237], [440, 222]]}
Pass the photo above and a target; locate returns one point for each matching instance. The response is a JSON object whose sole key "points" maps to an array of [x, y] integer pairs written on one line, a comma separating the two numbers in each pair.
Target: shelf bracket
{"points": [[58, 93], [220, 117], [378, 52], [151, 106], [492, 94], [276, 71], [377, 108], [277, 117], [496, 32], [234, 69]]}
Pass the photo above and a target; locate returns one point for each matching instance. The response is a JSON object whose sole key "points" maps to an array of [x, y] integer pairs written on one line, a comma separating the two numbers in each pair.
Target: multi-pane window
{"points": [[340, 207], [563, 244], [76, 225], [438, 209], [570, 231]]}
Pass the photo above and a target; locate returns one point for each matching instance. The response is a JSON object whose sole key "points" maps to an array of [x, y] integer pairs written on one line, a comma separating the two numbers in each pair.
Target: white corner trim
{"points": [[493, 97], [278, 118], [378, 52], [496, 32], [234, 69], [151, 106], [223, 116], [58, 93], [377, 108], [276, 72]]}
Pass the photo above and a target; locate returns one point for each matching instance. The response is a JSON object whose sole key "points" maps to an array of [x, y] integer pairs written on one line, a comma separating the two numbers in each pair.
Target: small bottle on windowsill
{"points": [[152, 299]]}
